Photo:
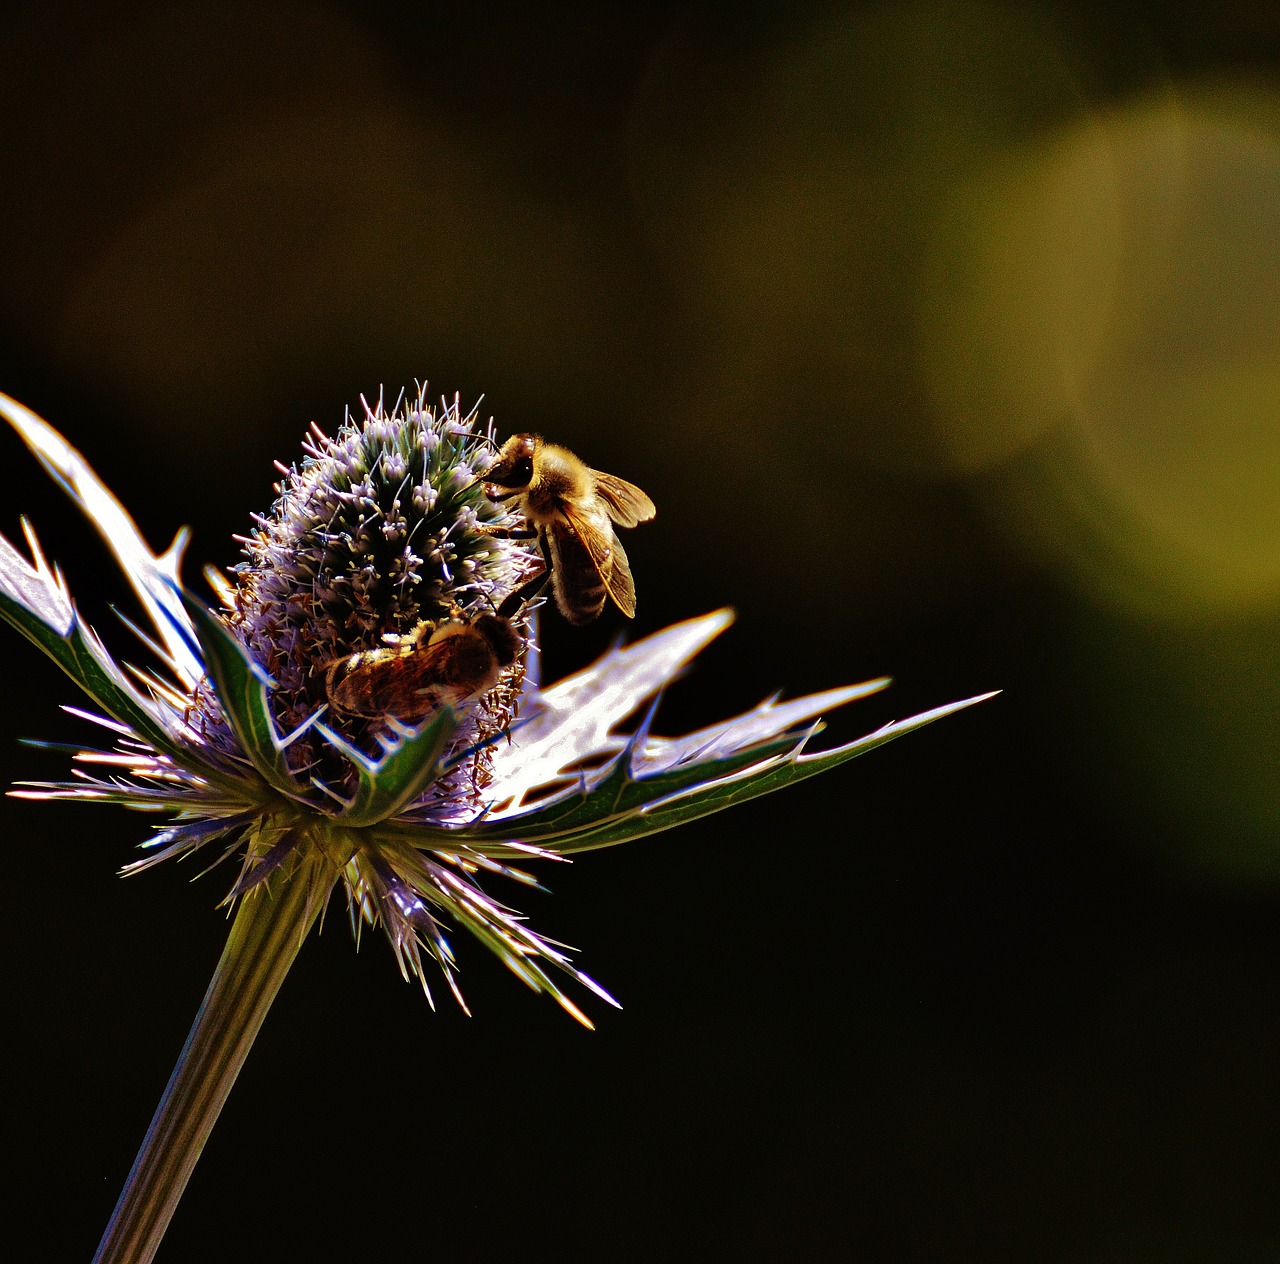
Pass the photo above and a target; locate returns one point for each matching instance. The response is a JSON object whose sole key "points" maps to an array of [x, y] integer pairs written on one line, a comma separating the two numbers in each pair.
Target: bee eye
{"points": [[511, 473]]}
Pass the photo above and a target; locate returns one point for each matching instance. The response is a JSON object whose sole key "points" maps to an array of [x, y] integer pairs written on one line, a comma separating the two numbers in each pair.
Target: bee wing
{"points": [[606, 555], [431, 676], [621, 586], [428, 663], [626, 503]]}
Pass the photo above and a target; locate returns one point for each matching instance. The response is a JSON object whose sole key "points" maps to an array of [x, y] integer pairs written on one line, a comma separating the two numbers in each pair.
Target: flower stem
{"points": [[267, 932]]}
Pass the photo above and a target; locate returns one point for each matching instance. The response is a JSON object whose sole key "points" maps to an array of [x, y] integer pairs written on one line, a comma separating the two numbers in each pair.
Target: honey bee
{"points": [[432, 666], [571, 509]]}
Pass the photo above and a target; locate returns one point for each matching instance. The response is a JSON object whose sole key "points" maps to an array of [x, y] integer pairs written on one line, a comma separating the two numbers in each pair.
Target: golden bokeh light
{"points": [[1107, 304], [1018, 296]]}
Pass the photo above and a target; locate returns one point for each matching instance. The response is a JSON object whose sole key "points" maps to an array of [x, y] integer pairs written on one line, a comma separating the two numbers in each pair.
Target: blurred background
{"points": [[946, 337]]}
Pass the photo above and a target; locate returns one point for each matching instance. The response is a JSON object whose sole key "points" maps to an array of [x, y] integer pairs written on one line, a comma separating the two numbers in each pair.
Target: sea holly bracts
{"points": [[386, 541], [268, 729]]}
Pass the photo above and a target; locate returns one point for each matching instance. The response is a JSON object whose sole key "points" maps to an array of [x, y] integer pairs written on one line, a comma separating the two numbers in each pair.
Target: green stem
{"points": [[265, 937]]}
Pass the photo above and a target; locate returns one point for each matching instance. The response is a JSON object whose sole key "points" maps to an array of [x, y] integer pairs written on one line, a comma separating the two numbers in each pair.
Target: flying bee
{"points": [[434, 665], [571, 508]]}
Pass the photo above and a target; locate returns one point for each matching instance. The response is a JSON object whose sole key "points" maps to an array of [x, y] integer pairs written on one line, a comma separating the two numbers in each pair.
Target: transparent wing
{"points": [[606, 556], [626, 503], [621, 586]]}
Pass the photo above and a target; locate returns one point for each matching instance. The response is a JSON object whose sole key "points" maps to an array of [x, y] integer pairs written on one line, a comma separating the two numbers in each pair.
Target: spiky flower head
{"points": [[382, 529]]}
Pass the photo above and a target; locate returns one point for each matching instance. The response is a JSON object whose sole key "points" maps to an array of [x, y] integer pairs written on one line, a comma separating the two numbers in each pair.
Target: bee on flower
{"points": [[357, 711]]}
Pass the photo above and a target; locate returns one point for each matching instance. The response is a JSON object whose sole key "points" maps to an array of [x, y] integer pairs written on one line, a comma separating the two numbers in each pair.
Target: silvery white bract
{"points": [[411, 823], [229, 734]]}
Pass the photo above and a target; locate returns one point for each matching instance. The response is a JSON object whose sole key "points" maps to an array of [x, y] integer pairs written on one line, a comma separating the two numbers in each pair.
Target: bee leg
{"points": [[505, 533], [512, 604], [401, 638]]}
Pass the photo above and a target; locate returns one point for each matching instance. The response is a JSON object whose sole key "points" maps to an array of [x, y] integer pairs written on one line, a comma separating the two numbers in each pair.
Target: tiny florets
{"points": [[380, 529]]}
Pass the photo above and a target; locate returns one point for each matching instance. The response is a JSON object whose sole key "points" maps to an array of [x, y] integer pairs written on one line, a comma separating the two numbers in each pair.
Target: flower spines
{"points": [[383, 526], [380, 528], [403, 889]]}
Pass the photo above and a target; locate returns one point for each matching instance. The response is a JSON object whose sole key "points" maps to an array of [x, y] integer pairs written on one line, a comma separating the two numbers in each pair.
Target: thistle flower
{"points": [[232, 735]]}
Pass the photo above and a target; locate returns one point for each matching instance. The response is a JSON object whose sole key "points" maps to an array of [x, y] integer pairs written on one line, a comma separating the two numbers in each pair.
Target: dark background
{"points": [[946, 338]]}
